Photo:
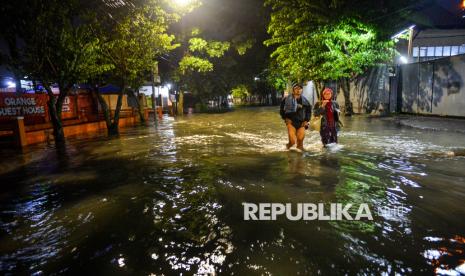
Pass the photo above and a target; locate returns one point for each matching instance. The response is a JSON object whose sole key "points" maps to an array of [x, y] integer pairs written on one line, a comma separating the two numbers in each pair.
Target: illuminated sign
{"points": [[32, 107]]}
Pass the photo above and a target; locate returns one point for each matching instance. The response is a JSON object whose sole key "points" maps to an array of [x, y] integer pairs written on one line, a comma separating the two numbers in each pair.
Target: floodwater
{"points": [[167, 199]]}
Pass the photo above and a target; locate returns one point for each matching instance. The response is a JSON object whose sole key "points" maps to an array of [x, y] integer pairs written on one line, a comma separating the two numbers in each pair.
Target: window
{"points": [[430, 52], [438, 51], [454, 50], [446, 51], [462, 49], [416, 51], [423, 51]]}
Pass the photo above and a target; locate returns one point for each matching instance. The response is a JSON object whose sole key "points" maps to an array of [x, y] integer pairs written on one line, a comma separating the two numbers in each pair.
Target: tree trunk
{"points": [[18, 88], [114, 127], [274, 99], [55, 106], [140, 111], [58, 132], [345, 86], [104, 105], [12, 44], [181, 104], [113, 130], [319, 86]]}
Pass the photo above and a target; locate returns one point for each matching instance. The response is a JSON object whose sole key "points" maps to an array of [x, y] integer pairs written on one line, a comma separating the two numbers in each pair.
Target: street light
{"points": [[10, 84], [403, 32], [403, 59]]}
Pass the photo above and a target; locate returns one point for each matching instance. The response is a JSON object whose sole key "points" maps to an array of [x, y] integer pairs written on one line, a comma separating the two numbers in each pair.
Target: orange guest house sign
{"points": [[32, 107]]}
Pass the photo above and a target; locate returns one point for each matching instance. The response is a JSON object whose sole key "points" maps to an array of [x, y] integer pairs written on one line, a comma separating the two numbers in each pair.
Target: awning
{"points": [[109, 89]]}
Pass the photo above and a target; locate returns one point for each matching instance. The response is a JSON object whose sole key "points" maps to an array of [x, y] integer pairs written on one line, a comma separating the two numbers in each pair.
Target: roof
{"points": [[109, 89], [440, 37]]}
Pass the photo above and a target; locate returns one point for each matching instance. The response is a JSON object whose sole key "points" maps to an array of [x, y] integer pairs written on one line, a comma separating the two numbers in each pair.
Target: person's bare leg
{"points": [[292, 136], [300, 138]]}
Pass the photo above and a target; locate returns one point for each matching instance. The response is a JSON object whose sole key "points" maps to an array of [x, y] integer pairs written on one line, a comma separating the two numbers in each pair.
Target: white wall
{"points": [[310, 92], [147, 90]]}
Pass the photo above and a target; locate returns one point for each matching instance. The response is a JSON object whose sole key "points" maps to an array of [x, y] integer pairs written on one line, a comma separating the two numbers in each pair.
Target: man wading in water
{"points": [[296, 111]]}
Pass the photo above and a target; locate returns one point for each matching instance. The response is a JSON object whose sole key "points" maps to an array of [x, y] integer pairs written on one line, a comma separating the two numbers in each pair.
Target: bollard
{"points": [[20, 132]]}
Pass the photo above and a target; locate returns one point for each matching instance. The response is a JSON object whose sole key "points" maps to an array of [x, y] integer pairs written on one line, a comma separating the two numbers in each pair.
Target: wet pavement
{"points": [[167, 199], [433, 123]]}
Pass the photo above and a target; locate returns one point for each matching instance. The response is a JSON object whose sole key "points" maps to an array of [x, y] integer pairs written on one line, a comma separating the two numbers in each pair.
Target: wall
{"points": [[112, 100], [34, 107], [310, 93], [434, 87], [43, 135], [373, 92], [370, 93]]}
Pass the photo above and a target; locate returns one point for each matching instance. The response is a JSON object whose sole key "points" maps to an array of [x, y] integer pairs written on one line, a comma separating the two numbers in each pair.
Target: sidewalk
{"points": [[432, 123]]}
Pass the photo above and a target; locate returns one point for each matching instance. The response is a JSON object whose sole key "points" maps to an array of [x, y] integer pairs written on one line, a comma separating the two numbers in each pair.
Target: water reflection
{"points": [[332, 164], [167, 200], [446, 255]]}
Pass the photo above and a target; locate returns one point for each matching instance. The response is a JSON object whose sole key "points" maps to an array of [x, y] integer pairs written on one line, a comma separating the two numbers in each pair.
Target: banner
{"points": [[33, 107], [68, 110]]}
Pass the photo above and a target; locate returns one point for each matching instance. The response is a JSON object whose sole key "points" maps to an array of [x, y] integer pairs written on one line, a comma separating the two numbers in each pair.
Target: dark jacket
{"points": [[303, 113], [321, 111]]}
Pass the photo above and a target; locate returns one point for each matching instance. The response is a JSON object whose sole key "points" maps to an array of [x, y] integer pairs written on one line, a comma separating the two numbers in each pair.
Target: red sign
{"points": [[68, 110], [32, 107]]}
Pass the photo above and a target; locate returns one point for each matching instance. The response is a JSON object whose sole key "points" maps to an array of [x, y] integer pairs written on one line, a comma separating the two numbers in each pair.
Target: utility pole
{"points": [[410, 44], [154, 101], [154, 97]]}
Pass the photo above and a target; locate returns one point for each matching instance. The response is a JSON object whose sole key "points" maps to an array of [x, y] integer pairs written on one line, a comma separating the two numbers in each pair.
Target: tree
{"points": [[240, 92], [132, 42], [11, 28], [239, 24], [275, 78], [339, 39], [55, 45], [196, 63]]}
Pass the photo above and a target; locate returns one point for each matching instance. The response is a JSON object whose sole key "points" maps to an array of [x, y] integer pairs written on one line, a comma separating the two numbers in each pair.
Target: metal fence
{"points": [[435, 87]]}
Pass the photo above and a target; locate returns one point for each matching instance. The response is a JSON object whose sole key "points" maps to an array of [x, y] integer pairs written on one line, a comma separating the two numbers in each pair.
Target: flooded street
{"points": [[167, 199]]}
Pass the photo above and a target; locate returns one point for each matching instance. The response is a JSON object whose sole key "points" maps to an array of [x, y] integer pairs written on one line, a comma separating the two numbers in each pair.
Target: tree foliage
{"points": [[331, 40], [328, 40], [132, 41], [53, 43], [71, 42], [222, 48], [331, 52], [240, 92], [198, 56], [275, 77]]}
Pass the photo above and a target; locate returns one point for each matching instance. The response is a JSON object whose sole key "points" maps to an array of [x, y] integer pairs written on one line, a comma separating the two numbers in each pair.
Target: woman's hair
{"points": [[325, 90]]}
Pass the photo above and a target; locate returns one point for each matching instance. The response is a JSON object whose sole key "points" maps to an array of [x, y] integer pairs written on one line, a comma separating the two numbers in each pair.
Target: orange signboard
{"points": [[33, 107], [68, 110]]}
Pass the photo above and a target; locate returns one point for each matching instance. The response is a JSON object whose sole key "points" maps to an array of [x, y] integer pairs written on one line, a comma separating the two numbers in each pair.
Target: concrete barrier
{"points": [[19, 132]]}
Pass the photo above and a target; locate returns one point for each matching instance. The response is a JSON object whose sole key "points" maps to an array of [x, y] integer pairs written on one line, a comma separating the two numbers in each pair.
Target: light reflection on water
{"points": [[167, 199]]}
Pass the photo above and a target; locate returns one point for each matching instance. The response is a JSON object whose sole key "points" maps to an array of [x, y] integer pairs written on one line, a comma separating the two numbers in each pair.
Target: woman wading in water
{"points": [[329, 112]]}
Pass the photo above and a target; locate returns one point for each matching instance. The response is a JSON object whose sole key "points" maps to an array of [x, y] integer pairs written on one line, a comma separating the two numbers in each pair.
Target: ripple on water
{"points": [[167, 199]]}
